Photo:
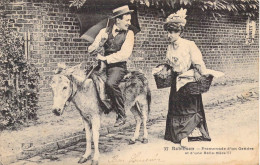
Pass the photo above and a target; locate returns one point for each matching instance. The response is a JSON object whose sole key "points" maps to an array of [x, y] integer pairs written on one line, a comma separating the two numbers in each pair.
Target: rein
{"points": [[94, 66]]}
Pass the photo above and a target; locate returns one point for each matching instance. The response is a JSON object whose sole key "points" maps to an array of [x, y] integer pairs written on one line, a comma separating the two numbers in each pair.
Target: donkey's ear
{"points": [[60, 68]]}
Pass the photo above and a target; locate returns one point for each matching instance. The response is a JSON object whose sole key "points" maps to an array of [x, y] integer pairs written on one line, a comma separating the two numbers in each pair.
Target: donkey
{"points": [[71, 84]]}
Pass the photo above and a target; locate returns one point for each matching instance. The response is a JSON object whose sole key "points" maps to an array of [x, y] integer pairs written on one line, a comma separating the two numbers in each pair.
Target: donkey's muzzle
{"points": [[57, 112]]}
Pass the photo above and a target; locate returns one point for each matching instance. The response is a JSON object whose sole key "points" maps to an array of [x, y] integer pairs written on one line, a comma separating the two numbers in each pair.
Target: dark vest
{"points": [[114, 44]]}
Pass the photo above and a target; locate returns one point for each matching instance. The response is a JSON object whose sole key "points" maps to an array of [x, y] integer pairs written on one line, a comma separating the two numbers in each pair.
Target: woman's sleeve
{"points": [[196, 56], [168, 56]]}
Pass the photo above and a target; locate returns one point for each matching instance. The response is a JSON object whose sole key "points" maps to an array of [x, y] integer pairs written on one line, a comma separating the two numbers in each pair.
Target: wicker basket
{"points": [[162, 82], [199, 87], [163, 79]]}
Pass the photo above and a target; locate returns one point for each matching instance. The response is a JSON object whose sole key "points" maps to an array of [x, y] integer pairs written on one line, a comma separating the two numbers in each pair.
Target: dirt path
{"points": [[233, 127]]}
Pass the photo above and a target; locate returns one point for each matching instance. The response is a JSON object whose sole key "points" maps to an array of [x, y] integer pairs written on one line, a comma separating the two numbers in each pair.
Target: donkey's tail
{"points": [[149, 99]]}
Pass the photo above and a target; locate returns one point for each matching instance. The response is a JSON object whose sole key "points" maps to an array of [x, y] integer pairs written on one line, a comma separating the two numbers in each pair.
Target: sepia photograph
{"points": [[129, 82]]}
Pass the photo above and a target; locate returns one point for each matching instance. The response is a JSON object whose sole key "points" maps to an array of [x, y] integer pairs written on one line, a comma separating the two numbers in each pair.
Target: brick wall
{"points": [[54, 31], [221, 42]]}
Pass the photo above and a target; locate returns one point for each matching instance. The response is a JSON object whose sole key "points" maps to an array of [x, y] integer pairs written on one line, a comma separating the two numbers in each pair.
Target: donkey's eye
{"points": [[65, 88]]}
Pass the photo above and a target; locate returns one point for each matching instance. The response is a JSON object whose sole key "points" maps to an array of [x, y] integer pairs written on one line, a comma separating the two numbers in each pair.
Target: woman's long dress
{"points": [[185, 111]]}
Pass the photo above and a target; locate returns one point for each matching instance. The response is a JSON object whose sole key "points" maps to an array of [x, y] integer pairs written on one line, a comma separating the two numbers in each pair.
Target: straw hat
{"points": [[121, 10], [178, 17]]}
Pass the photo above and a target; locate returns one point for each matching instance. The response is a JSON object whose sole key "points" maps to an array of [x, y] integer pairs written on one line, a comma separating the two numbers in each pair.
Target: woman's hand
{"points": [[197, 71], [197, 75]]}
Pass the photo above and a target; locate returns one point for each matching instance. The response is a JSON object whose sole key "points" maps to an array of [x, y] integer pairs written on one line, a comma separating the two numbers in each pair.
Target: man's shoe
{"points": [[120, 121]]}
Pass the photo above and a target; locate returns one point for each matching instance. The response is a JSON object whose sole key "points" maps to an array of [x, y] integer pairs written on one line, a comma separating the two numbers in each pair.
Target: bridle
{"points": [[73, 92]]}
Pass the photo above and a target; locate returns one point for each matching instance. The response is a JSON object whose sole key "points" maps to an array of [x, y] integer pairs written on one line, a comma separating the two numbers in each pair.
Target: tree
{"points": [[18, 80], [215, 7]]}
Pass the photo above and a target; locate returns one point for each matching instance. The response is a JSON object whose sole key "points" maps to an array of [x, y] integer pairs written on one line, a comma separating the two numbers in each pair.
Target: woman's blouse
{"points": [[182, 53]]}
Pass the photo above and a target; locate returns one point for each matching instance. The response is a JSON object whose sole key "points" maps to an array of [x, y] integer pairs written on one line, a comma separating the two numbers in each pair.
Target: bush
{"points": [[18, 81]]}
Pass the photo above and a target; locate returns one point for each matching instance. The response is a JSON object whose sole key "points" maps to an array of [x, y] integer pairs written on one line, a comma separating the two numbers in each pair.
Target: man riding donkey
{"points": [[118, 42]]}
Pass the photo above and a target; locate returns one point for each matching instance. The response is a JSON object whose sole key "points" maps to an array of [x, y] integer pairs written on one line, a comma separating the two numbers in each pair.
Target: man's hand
{"points": [[92, 48], [95, 46], [101, 58], [104, 36]]}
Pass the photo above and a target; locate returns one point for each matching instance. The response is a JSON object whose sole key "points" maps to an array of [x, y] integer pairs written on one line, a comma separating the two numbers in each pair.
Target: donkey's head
{"points": [[62, 86], [65, 84], [62, 90]]}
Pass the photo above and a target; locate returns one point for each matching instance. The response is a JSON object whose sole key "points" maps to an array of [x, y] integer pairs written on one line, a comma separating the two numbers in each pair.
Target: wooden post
{"points": [[27, 39], [28, 45], [25, 46]]}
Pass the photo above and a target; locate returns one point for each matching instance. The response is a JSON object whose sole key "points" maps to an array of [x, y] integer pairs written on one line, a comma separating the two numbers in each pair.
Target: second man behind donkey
{"points": [[118, 47]]}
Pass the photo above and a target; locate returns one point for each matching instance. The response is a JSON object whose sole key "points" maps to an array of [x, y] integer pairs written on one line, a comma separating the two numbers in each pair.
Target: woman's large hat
{"points": [[178, 17], [120, 11]]}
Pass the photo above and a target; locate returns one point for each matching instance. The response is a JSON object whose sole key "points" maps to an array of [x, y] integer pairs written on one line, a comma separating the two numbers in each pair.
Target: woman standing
{"points": [[185, 113]]}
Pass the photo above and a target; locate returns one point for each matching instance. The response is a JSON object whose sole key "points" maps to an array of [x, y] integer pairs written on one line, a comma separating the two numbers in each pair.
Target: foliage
{"points": [[215, 7], [77, 3], [18, 80]]}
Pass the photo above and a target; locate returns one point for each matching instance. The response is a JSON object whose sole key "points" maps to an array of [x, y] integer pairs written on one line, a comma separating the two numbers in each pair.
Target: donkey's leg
{"points": [[137, 117], [87, 154], [143, 108], [95, 130]]}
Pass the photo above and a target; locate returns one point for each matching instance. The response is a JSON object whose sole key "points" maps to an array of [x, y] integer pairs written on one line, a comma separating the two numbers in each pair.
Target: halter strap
{"points": [[72, 93]]}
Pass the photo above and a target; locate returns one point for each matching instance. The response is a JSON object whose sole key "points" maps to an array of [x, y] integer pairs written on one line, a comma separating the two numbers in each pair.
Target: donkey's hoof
{"points": [[83, 160], [94, 162], [131, 141], [145, 141]]}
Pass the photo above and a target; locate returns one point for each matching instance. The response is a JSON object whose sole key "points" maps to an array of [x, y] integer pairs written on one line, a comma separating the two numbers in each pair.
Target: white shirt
{"points": [[126, 50], [184, 53]]}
